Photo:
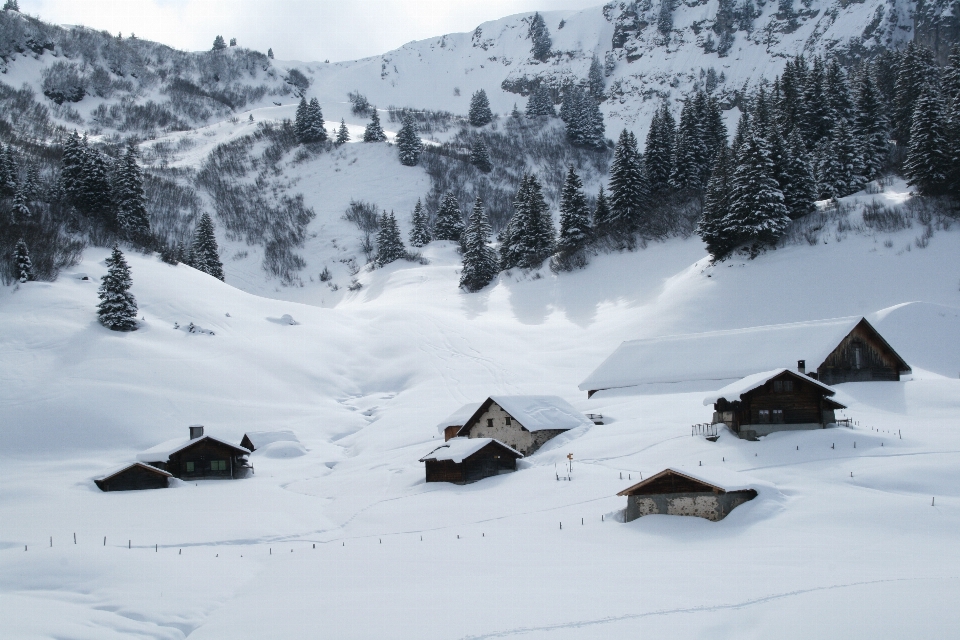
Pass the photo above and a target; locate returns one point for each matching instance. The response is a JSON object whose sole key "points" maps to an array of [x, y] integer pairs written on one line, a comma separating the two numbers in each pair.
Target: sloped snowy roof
{"points": [[459, 417], [734, 390], [118, 470], [537, 413], [164, 450], [456, 449], [720, 355], [723, 479], [262, 438]]}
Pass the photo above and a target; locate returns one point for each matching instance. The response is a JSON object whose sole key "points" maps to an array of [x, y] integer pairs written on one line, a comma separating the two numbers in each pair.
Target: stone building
{"points": [[676, 493]]}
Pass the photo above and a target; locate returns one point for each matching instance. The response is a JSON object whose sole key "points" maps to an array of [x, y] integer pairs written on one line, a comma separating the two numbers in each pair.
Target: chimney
{"points": [[196, 431], [801, 367]]}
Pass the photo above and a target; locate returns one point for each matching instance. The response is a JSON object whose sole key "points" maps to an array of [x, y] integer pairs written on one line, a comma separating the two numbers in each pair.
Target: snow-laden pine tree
{"points": [[849, 179], [540, 37], [301, 121], [838, 92], [533, 237], [800, 189], [11, 5], [316, 127], [449, 221], [20, 212], [595, 79], [409, 145], [270, 53], [389, 243], [71, 167], [658, 150], [374, 132], [96, 193], [690, 161], [480, 155], [575, 232], [928, 156], [205, 254], [629, 190], [343, 135], [219, 44], [420, 227], [714, 128], [716, 207], [603, 223], [779, 154], [22, 263], [757, 216], [132, 218], [914, 72], [118, 308], [870, 125], [743, 130], [480, 113], [540, 103], [951, 76], [512, 234], [479, 260], [826, 166], [817, 115], [8, 175], [584, 122]]}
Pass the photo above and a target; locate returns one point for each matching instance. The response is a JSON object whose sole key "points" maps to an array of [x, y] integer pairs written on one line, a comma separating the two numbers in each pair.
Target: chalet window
{"points": [[189, 467], [778, 386], [778, 416], [857, 357], [509, 421], [218, 465], [783, 386], [764, 416]]}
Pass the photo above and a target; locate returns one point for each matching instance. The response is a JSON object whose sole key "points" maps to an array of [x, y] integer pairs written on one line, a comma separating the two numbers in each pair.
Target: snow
{"points": [[459, 417], [717, 477], [537, 413], [734, 390], [456, 449], [117, 470], [263, 438], [164, 450]]}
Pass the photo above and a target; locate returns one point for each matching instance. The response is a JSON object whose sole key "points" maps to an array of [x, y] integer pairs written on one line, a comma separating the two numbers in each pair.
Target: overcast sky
{"points": [[295, 29]]}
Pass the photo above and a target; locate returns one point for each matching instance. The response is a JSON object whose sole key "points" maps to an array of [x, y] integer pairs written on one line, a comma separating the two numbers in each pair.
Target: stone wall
{"points": [[709, 505]]}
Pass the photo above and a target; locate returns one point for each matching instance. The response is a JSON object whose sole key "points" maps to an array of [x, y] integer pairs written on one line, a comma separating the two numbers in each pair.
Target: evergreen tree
{"points": [[205, 254], [592, 129], [951, 76], [95, 197], [132, 217], [953, 145], [512, 234], [22, 262], [757, 215], [449, 222], [665, 17], [714, 128], [914, 71], [743, 129], [409, 144], [690, 162], [849, 179], [799, 187], [602, 217], [479, 260], [117, 310], [270, 53], [342, 134], [71, 167], [420, 229], [480, 113], [536, 242], [479, 156], [826, 168], [818, 117], [8, 175], [301, 121], [595, 79], [928, 157], [219, 44], [11, 5], [779, 155], [540, 103], [629, 189], [389, 244], [20, 212], [575, 229], [870, 125], [716, 207], [540, 37], [515, 114], [838, 92], [374, 132], [316, 127], [658, 152]]}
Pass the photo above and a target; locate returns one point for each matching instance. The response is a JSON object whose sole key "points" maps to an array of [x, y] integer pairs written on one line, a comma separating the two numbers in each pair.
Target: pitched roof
{"points": [[164, 450], [261, 438], [715, 478], [120, 470], [459, 417], [721, 355], [537, 413], [733, 391], [458, 449]]}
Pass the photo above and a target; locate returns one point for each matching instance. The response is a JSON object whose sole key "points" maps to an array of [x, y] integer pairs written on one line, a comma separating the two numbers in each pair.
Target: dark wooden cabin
{"points": [[134, 477], [780, 400], [671, 492], [862, 356], [199, 457], [463, 460]]}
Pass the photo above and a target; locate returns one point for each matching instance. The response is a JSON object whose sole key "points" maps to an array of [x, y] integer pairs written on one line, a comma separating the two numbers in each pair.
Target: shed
{"points": [[838, 350], [133, 477], [676, 493], [197, 457], [778, 400], [523, 422], [463, 460], [254, 440], [449, 427]]}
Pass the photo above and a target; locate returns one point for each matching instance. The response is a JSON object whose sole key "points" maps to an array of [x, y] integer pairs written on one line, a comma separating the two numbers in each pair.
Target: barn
{"points": [[133, 477], [676, 493], [833, 351], [778, 400], [448, 428], [198, 456], [464, 460], [522, 422]]}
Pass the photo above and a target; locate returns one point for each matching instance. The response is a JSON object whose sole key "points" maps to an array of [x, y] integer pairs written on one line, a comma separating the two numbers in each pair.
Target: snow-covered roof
{"points": [[262, 438], [119, 470], [537, 413], [733, 391], [164, 450], [456, 449], [459, 417], [714, 476], [720, 355]]}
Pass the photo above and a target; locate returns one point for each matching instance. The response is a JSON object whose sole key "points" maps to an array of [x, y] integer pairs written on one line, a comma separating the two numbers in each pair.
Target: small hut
{"points": [[778, 400], [198, 456], [133, 477], [676, 493], [449, 427], [464, 460]]}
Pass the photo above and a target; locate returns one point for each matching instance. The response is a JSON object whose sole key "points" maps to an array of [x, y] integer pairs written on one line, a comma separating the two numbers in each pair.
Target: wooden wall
{"points": [[133, 479], [876, 362]]}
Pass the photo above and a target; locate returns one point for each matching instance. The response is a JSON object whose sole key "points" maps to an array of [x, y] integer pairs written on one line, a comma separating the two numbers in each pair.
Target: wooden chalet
{"points": [[778, 400], [133, 477], [838, 350], [676, 493], [199, 456], [524, 423], [464, 460]]}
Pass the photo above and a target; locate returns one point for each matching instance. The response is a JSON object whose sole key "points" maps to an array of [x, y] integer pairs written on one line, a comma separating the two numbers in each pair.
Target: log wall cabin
{"points": [[464, 460], [133, 477], [200, 456]]}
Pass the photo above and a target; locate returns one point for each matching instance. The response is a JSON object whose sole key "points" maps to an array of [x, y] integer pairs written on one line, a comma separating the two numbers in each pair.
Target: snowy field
{"points": [[347, 541]]}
